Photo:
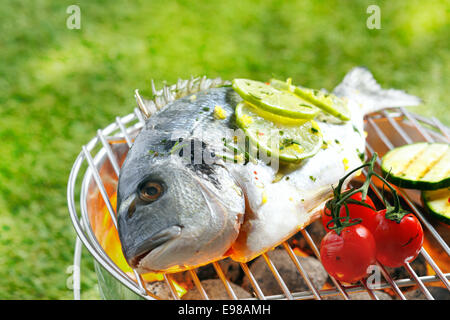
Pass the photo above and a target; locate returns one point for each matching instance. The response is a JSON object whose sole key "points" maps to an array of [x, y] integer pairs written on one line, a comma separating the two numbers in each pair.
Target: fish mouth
{"points": [[156, 240]]}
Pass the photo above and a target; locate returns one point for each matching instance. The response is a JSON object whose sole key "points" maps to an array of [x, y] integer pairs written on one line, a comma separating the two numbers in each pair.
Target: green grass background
{"points": [[58, 86]]}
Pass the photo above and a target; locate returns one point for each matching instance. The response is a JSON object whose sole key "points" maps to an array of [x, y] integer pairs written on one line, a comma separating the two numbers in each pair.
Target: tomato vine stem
{"points": [[342, 198]]}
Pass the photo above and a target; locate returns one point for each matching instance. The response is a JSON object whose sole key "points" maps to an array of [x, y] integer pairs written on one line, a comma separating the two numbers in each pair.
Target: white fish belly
{"points": [[277, 210]]}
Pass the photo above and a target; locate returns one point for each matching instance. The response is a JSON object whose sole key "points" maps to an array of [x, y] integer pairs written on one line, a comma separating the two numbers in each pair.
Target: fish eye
{"points": [[150, 191]]}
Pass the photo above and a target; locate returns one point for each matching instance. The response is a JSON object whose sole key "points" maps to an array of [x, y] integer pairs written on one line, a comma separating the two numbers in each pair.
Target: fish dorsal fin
{"points": [[169, 93], [360, 85]]}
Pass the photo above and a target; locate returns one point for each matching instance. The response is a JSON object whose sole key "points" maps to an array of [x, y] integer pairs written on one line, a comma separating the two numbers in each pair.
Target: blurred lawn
{"points": [[58, 86]]}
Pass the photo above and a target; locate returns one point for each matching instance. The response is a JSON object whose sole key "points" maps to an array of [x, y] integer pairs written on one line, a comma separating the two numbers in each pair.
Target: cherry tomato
{"points": [[356, 211], [347, 256], [397, 243]]}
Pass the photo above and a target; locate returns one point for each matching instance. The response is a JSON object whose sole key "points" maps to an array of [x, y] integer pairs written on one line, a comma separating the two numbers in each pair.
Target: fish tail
{"points": [[360, 85]]}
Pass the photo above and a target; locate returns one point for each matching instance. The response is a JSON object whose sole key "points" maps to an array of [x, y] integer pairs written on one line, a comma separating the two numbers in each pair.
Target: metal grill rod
{"points": [[418, 281], [109, 152], [76, 270], [199, 286], [253, 282], [302, 270], [391, 282], [277, 276], [369, 291], [173, 290], [435, 268], [441, 127], [416, 125], [395, 125], [98, 180], [225, 282]]}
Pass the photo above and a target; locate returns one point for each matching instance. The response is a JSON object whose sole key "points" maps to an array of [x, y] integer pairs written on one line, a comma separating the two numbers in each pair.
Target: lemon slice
{"points": [[328, 102], [290, 143], [270, 99]]}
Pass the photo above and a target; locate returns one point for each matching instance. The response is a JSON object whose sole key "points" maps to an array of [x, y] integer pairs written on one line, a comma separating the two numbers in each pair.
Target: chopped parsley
{"points": [[288, 142], [356, 129], [361, 155]]}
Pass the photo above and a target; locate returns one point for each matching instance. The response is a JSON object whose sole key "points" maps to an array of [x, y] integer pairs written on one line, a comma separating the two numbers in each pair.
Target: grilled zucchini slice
{"points": [[423, 166], [437, 203]]}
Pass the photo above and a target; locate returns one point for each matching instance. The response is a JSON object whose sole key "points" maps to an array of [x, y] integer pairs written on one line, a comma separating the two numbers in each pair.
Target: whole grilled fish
{"points": [[176, 211]]}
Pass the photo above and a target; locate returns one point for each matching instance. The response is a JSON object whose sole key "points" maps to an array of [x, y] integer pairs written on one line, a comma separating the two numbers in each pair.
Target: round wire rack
{"points": [[95, 172]]}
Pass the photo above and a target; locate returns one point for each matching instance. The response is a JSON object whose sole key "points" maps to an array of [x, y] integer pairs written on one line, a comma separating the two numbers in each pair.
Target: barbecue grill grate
{"points": [[387, 129]]}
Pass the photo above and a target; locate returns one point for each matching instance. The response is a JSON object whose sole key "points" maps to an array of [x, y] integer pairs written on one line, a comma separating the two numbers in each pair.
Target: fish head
{"points": [[173, 214]]}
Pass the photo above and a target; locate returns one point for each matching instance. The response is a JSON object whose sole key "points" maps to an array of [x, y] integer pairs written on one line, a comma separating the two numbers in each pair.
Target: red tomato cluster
{"points": [[346, 256]]}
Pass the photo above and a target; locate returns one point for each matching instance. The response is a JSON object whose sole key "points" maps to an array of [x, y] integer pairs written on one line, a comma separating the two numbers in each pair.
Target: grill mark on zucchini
{"points": [[445, 159], [423, 166], [431, 166], [416, 158], [411, 161]]}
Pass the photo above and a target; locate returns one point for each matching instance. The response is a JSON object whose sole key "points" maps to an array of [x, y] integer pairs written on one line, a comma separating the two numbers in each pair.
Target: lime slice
{"points": [[270, 99], [276, 118], [290, 143], [328, 102]]}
